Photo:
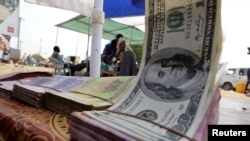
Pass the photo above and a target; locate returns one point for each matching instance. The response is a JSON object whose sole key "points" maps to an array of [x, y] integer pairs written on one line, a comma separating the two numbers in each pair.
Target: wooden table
{"points": [[109, 73]]}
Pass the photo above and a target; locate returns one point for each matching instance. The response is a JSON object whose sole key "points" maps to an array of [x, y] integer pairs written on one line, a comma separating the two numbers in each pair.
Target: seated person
{"points": [[59, 57], [56, 54]]}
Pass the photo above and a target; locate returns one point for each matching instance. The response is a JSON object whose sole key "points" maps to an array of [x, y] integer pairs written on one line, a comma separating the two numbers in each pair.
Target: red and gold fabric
{"points": [[21, 122]]}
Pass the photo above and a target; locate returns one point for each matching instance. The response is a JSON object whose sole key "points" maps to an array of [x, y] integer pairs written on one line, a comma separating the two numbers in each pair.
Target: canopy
{"points": [[110, 28], [123, 8], [112, 8]]}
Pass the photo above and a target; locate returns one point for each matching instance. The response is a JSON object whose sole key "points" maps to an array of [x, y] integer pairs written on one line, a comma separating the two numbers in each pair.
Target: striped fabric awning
{"points": [[4, 44]]}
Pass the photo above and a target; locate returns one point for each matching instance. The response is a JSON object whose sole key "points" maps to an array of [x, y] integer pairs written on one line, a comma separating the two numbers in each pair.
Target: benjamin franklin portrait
{"points": [[173, 74]]}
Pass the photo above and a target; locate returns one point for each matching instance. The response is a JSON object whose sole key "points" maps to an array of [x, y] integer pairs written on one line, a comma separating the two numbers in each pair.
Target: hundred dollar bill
{"points": [[179, 61]]}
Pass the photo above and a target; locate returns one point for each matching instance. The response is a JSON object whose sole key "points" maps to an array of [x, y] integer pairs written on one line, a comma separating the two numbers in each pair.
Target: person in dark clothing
{"points": [[79, 67], [127, 58], [109, 52]]}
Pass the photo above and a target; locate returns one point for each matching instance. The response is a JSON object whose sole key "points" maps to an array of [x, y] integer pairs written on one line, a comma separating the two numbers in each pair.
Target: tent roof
{"points": [[123, 8], [110, 29], [112, 8]]}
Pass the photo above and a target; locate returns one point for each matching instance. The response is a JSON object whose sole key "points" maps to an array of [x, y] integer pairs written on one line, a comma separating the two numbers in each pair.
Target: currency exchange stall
{"points": [[174, 96]]}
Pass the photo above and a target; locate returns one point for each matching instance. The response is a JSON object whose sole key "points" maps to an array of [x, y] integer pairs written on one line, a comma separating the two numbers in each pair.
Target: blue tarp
{"points": [[123, 8], [112, 8]]}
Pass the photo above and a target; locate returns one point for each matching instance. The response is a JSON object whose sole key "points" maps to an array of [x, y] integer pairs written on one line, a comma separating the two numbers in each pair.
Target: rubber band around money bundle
{"points": [[161, 126]]}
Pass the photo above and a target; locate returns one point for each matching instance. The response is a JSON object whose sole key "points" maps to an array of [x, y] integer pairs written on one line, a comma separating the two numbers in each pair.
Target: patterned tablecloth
{"points": [[21, 122]]}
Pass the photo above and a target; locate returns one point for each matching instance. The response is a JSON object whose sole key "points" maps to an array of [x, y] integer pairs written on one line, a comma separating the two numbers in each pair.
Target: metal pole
{"points": [[87, 52], [97, 24], [18, 33], [41, 40], [77, 42], [20, 47], [56, 35], [131, 35]]}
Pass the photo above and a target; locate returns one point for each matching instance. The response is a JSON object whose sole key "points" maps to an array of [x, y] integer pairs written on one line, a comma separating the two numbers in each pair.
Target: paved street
{"points": [[234, 108]]}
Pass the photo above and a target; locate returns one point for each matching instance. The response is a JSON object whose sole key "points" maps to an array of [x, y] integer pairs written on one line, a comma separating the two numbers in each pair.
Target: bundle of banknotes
{"points": [[89, 94], [28, 94], [6, 88], [177, 80], [66, 94], [28, 90]]}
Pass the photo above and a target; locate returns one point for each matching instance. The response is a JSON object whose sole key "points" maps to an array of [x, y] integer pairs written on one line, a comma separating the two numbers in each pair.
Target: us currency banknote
{"points": [[180, 55]]}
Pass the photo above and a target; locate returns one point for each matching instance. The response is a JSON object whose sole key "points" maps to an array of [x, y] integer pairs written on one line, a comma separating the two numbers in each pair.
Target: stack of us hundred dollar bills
{"points": [[177, 83]]}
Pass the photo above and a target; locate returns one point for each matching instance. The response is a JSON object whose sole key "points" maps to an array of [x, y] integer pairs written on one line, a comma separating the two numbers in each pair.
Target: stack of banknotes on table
{"points": [[177, 83], [91, 94], [66, 94], [28, 90], [5, 91], [8, 80], [31, 95], [67, 102], [6, 88]]}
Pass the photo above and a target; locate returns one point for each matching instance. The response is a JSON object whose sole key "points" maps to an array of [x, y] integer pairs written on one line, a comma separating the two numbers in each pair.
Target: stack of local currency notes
{"points": [[94, 94], [6, 88], [32, 95], [29, 92], [176, 80], [65, 94]]}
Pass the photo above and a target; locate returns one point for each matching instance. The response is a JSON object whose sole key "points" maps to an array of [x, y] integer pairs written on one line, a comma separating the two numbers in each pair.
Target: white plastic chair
{"points": [[59, 66]]}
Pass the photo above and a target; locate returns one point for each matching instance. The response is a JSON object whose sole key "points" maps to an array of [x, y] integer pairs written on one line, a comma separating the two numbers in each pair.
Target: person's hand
{"points": [[118, 62]]}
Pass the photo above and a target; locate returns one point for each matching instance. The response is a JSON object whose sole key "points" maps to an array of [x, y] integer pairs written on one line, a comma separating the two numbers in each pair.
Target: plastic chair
{"points": [[59, 66]]}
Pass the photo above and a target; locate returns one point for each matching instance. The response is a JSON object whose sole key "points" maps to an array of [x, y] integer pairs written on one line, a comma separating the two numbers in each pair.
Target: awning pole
{"points": [[131, 35], [56, 35], [97, 24], [19, 26], [87, 52], [77, 42]]}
